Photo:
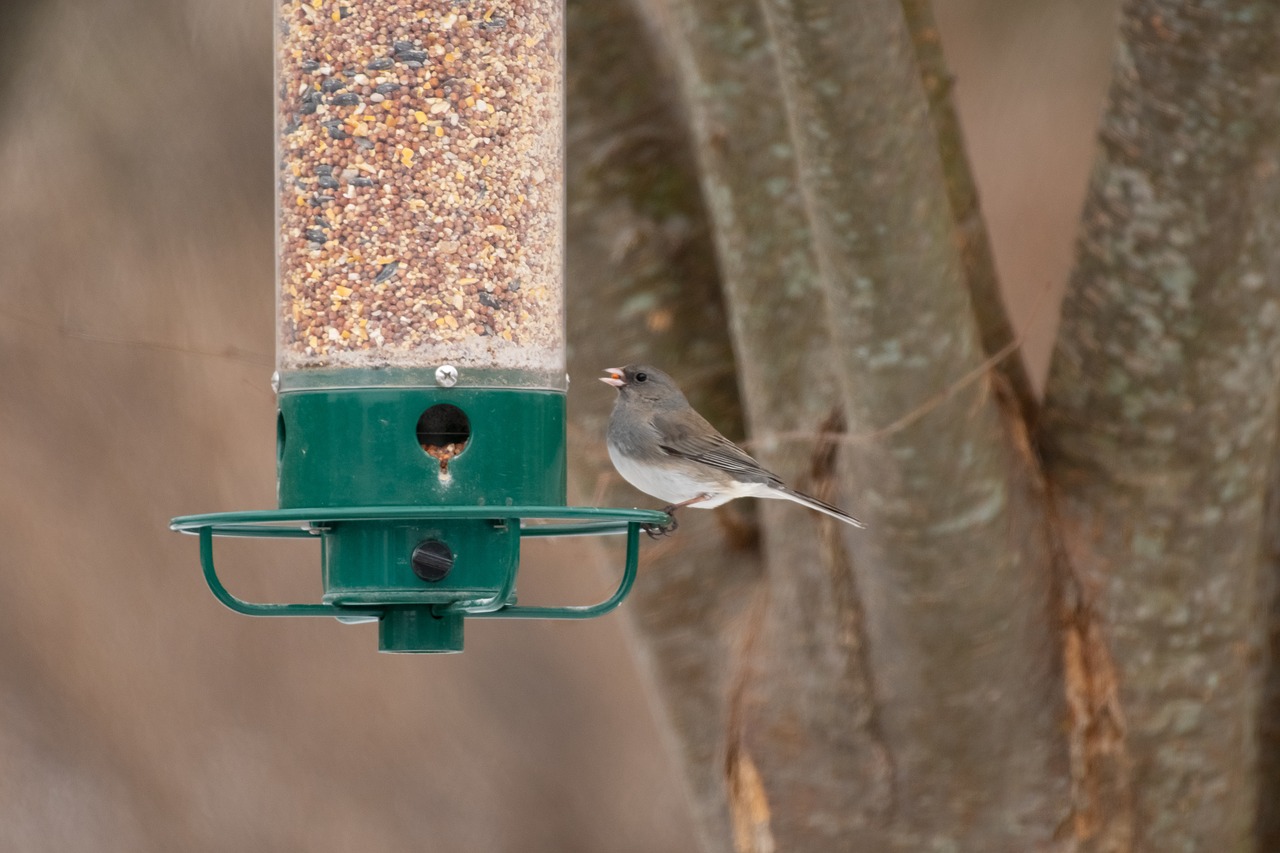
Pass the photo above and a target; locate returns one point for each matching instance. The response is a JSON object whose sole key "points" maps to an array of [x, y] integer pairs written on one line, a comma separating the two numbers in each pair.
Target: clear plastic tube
{"points": [[421, 188]]}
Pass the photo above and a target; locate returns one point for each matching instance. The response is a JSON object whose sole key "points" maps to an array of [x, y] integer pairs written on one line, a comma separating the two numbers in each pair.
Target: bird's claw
{"points": [[657, 531]]}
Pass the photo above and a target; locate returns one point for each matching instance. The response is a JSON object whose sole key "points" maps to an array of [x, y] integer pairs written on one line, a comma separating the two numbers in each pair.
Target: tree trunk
{"points": [[804, 702], [1267, 832], [1161, 404], [955, 566], [1013, 656], [642, 285], [970, 227]]}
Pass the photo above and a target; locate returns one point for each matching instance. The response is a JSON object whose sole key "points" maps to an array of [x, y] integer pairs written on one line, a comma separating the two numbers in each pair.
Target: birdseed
{"points": [[421, 184]]}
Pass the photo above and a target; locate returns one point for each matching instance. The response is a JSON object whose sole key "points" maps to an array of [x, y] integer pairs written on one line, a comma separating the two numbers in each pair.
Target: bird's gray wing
{"points": [[687, 435]]}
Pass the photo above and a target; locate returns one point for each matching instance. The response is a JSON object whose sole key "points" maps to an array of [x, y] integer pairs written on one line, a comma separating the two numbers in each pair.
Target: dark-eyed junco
{"points": [[660, 445]]}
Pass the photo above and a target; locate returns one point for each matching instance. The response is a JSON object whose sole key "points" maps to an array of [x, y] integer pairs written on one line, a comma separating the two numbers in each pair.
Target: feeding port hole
{"points": [[443, 432]]}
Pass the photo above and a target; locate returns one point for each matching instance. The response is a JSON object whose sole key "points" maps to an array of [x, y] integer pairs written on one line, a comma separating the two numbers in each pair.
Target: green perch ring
{"points": [[424, 619], [420, 495]]}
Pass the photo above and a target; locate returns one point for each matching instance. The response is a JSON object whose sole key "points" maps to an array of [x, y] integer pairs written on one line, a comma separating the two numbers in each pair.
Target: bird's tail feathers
{"points": [[820, 505]]}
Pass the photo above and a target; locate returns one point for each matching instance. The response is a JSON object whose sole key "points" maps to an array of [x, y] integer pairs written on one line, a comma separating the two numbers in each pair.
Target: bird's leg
{"points": [[657, 530]]}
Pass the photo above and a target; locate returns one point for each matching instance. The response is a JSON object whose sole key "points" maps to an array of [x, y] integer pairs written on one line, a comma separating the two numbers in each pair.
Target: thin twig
{"points": [[901, 423], [928, 405]]}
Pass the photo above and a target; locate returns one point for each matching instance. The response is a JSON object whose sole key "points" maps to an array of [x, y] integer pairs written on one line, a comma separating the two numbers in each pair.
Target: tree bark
{"points": [[979, 263], [954, 570], [1161, 403], [1267, 830], [807, 766], [903, 688], [642, 285]]}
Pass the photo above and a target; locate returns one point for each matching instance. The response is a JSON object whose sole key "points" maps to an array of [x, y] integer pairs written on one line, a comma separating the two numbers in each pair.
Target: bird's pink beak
{"points": [[614, 378]]}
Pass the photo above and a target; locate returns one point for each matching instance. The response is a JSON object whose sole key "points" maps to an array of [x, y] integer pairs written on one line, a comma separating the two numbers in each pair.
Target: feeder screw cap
{"points": [[432, 560], [447, 375]]}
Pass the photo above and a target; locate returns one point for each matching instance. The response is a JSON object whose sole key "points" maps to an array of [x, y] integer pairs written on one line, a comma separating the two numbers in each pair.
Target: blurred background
{"points": [[136, 263]]}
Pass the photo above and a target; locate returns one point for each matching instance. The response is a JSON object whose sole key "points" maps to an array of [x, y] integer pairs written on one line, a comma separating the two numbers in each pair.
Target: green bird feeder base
{"points": [[420, 622], [420, 497]]}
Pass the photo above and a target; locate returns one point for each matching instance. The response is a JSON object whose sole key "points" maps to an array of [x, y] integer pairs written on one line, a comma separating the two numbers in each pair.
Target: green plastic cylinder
{"points": [[359, 447], [363, 445], [419, 630]]}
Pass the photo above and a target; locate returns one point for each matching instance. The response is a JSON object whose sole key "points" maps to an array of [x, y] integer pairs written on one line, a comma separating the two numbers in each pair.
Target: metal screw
{"points": [[447, 375], [275, 382]]}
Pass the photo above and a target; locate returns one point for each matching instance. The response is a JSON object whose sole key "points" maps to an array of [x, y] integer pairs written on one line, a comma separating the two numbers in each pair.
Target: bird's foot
{"points": [[657, 531]]}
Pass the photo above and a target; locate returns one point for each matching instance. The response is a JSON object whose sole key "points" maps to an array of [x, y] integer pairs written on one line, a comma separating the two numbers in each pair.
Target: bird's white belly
{"points": [[667, 483]]}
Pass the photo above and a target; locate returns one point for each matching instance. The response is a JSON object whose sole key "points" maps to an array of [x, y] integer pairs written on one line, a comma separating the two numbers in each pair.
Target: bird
{"points": [[663, 447]]}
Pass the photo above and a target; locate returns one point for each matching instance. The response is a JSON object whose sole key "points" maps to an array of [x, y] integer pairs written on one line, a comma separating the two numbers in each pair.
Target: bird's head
{"points": [[643, 382]]}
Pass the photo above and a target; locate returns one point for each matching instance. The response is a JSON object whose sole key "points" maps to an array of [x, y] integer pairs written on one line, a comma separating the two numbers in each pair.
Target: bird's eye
{"points": [[640, 377]]}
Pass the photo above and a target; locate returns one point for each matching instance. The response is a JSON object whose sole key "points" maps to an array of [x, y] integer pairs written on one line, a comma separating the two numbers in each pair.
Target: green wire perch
{"points": [[419, 620]]}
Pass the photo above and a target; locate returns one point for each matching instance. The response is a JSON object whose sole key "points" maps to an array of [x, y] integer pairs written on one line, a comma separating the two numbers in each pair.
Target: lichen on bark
{"points": [[1161, 403]]}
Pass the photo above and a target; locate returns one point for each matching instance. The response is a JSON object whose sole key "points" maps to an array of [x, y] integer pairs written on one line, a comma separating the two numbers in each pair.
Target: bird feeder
{"points": [[420, 315]]}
